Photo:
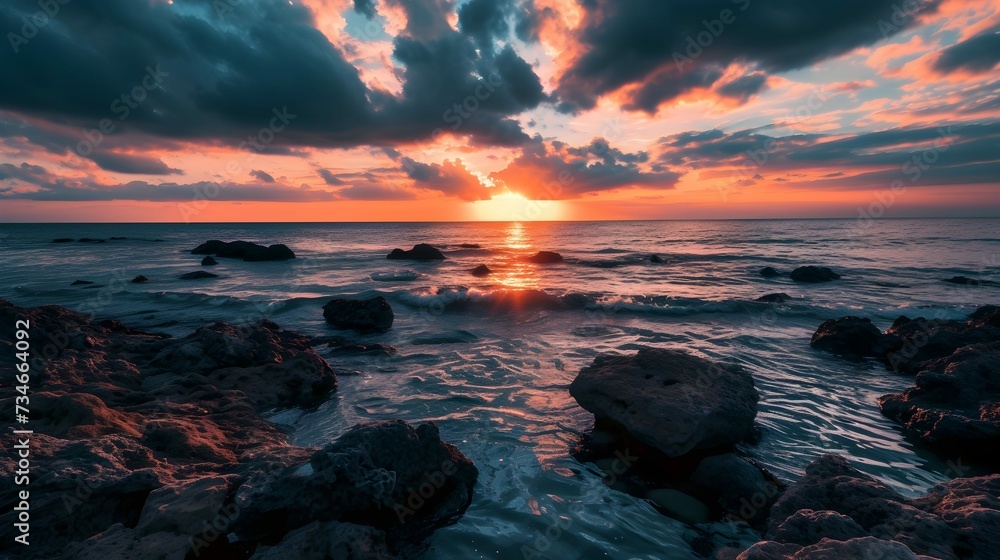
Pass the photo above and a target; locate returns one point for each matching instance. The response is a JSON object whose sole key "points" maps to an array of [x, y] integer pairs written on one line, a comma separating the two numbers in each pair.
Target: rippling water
{"points": [[490, 359]]}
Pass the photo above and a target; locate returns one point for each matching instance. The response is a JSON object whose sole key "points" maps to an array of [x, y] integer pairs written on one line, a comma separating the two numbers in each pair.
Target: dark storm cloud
{"points": [[450, 178], [977, 54], [938, 155], [330, 177], [49, 187], [133, 164], [556, 171], [667, 48], [744, 87], [260, 70], [365, 8], [262, 176], [485, 20]]}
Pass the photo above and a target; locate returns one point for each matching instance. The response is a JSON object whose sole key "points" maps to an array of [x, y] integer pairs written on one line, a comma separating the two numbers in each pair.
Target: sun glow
{"points": [[513, 207]]}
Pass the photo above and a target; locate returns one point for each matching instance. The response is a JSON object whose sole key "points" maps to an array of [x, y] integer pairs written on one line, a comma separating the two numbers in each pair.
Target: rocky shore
{"points": [[147, 446]]}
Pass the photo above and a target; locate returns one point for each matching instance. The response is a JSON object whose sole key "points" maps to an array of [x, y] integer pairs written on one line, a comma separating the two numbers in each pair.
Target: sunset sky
{"points": [[422, 110]]}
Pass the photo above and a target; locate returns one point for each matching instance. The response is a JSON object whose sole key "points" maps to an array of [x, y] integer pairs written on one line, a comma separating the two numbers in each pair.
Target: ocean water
{"points": [[490, 359]]}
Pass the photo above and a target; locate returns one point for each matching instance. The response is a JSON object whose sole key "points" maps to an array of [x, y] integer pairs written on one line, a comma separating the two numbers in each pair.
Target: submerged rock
{"points": [[775, 298], [63, 240], [197, 275], [419, 252], [81, 283], [972, 282], [814, 274], [209, 261], [250, 252], [670, 400], [481, 270], [373, 314], [769, 272], [140, 279], [545, 257]]}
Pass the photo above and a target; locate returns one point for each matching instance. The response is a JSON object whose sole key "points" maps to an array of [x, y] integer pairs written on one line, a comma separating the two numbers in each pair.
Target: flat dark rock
{"points": [[89, 240], [250, 252], [775, 298], [81, 282], [814, 274], [972, 282], [419, 252], [546, 257], [373, 314], [198, 275], [63, 240]]}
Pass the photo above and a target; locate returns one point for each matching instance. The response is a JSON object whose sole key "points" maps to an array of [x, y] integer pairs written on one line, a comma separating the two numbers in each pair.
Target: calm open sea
{"points": [[490, 359]]}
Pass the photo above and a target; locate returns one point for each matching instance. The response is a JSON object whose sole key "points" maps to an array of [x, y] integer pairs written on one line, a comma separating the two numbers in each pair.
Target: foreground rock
{"points": [[250, 252], [814, 274], [419, 252], [666, 424], [373, 314], [836, 512], [545, 257], [670, 400], [955, 405], [146, 446]]}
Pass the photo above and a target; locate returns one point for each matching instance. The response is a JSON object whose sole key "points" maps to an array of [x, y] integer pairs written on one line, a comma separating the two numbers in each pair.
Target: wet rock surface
{"points": [[148, 446], [374, 314], [955, 405], [835, 511]]}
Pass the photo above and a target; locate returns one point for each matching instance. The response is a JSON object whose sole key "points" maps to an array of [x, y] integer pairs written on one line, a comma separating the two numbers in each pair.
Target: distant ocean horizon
{"points": [[490, 359]]}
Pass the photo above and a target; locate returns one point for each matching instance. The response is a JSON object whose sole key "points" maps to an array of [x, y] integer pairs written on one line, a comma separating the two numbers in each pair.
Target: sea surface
{"points": [[490, 359]]}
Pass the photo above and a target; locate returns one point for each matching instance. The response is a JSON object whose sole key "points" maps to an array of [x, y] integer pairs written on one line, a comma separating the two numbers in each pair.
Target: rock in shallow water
{"points": [[209, 261], [769, 272], [850, 336], [419, 252], [774, 298], [814, 274], [481, 270], [545, 257], [250, 252], [670, 400], [198, 275], [373, 314]]}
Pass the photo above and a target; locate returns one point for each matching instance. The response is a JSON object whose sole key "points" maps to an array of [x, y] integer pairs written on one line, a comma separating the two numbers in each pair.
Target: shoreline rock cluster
{"points": [[148, 446], [955, 405], [666, 428]]}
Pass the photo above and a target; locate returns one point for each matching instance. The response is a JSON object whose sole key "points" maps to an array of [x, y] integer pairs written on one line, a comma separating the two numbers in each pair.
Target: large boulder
{"points": [[742, 489], [373, 314], [389, 475], [670, 400], [419, 252], [814, 274], [850, 336]]}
